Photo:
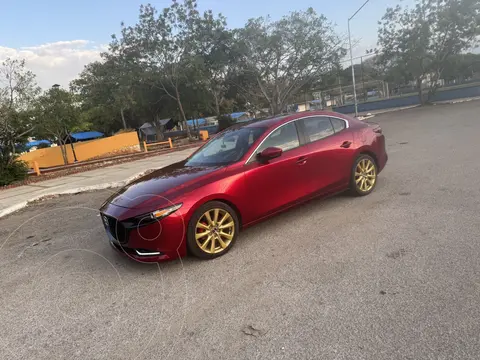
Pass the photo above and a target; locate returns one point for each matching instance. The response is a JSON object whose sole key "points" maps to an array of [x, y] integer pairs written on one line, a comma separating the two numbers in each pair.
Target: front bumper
{"points": [[142, 255], [159, 241]]}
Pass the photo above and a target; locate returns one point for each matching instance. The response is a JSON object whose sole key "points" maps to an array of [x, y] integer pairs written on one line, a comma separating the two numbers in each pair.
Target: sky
{"points": [[57, 38]]}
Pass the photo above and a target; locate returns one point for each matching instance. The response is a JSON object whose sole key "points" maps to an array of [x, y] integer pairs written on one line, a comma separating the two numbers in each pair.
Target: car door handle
{"points": [[301, 160], [346, 144]]}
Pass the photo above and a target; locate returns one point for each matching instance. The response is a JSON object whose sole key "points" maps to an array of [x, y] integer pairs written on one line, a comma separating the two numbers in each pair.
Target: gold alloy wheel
{"points": [[365, 175], [214, 231]]}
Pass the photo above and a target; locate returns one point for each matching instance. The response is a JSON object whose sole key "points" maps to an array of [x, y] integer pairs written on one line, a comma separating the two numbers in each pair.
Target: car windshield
{"points": [[227, 148]]}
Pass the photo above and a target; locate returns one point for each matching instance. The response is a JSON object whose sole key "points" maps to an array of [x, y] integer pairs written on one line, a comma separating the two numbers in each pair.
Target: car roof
{"points": [[264, 122], [279, 119]]}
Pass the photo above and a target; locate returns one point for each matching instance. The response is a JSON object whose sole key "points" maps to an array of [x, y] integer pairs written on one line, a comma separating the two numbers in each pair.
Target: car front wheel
{"points": [[212, 230]]}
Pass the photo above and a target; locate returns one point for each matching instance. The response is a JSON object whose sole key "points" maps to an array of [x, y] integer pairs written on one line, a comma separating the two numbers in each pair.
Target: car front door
{"points": [[280, 181], [329, 150]]}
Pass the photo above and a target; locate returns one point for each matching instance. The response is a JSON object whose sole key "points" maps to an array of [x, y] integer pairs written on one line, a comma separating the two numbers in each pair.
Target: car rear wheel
{"points": [[364, 175], [212, 230]]}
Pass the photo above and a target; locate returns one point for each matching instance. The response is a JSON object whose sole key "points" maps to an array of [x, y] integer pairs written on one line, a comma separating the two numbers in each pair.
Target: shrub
{"points": [[13, 171]]}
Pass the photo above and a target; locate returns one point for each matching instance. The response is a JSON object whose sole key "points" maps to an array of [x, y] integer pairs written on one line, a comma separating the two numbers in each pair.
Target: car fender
{"points": [[229, 200], [366, 149], [231, 195]]}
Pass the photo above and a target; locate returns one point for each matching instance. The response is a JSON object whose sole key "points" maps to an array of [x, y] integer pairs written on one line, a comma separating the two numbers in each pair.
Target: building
{"points": [[86, 136], [309, 105], [83, 136], [197, 122], [240, 116], [33, 145], [150, 133]]}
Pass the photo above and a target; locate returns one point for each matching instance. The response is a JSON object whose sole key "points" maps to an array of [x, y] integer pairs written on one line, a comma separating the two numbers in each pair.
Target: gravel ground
{"points": [[393, 275]]}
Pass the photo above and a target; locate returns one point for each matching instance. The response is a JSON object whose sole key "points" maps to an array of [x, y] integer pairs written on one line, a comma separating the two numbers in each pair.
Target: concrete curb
{"points": [[445, 102], [385, 111], [456, 101], [366, 117], [19, 206]]}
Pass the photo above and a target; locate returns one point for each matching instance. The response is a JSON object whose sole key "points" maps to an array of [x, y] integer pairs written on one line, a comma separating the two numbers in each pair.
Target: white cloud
{"points": [[55, 63]]}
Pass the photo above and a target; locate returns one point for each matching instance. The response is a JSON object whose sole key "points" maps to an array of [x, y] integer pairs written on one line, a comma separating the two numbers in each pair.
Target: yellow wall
{"points": [[84, 150]]}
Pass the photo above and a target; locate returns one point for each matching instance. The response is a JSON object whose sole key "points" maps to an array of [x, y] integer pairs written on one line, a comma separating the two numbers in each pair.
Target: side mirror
{"points": [[269, 153]]}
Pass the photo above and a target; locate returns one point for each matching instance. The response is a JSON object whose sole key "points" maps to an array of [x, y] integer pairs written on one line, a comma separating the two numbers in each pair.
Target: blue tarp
{"points": [[37, 142], [86, 135], [200, 121], [236, 115]]}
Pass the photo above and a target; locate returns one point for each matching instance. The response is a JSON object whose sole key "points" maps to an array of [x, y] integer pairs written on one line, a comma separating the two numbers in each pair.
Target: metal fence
{"points": [[443, 94]]}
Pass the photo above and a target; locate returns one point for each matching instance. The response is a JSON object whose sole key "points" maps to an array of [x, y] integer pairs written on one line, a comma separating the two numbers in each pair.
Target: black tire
{"points": [[355, 185], [192, 243]]}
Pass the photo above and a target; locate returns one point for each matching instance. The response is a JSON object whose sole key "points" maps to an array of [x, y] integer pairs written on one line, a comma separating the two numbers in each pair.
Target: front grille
{"points": [[115, 228]]}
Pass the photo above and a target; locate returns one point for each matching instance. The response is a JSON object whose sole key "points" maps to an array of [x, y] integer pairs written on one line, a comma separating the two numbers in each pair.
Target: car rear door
{"points": [[330, 152], [281, 181]]}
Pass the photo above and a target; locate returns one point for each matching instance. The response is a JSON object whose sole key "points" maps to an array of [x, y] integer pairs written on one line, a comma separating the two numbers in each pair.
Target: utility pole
{"points": [[341, 94], [363, 80], [353, 71]]}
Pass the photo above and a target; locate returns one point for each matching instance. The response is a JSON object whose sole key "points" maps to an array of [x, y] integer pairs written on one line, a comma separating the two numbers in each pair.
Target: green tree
{"points": [[18, 88], [57, 114], [462, 67], [125, 72], [184, 64], [13, 133], [216, 52], [106, 92], [93, 87], [165, 42], [285, 55], [421, 40], [225, 121]]}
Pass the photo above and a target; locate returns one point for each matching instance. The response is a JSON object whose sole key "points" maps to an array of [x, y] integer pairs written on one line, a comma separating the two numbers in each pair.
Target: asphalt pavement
{"points": [[393, 275]]}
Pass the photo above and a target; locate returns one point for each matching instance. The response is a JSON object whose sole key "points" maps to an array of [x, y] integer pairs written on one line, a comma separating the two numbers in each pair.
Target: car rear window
{"points": [[338, 125], [317, 128]]}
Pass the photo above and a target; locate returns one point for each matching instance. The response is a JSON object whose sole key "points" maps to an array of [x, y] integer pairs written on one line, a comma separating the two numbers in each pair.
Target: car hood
{"points": [[162, 187]]}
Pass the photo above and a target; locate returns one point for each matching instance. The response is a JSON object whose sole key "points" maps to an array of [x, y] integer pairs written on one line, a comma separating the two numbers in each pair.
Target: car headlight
{"points": [[162, 213], [150, 218]]}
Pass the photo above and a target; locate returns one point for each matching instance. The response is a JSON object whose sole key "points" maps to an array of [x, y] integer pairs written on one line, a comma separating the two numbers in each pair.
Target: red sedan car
{"points": [[243, 175]]}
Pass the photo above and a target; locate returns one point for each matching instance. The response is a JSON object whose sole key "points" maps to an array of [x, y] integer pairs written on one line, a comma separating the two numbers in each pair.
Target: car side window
{"points": [[317, 128], [338, 125], [285, 138]]}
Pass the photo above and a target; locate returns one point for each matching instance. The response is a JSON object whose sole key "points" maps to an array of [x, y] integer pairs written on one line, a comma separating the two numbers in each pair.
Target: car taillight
{"points": [[375, 127]]}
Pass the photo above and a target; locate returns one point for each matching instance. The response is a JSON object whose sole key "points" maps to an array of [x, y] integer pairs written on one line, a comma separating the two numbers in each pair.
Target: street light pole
{"points": [[353, 71], [351, 57]]}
